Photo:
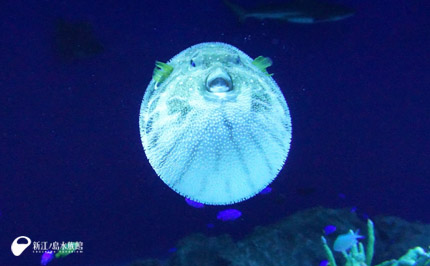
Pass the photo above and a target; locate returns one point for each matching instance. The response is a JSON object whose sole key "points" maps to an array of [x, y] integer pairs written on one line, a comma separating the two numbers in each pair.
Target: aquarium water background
{"points": [[72, 77]]}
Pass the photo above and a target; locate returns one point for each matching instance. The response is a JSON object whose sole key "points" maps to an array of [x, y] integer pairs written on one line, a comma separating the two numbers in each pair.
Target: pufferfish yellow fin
{"points": [[161, 72], [263, 63]]}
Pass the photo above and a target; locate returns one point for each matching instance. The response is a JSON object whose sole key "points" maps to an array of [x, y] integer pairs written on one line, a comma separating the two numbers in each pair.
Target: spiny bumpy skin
{"points": [[217, 130]]}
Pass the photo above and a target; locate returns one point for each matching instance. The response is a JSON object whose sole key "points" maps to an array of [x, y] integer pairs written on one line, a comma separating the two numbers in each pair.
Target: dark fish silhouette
{"points": [[75, 41], [296, 11]]}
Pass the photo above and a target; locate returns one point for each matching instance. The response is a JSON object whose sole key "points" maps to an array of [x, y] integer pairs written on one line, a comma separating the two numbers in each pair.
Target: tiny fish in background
{"points": [[365, 216], [194, 204], [341, 196], [228, 215], [329, 229], [346, 241], [46, 257], [266, 191], [324, 263], [172, 250], [210, 225], [74, 41]]}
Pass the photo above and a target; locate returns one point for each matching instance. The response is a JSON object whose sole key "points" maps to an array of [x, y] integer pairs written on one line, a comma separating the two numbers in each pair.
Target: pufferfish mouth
{"points": [[219, 81]]}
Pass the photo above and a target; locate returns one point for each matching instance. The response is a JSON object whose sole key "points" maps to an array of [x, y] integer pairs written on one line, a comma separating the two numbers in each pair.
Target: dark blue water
{"points": [[72, 164]]}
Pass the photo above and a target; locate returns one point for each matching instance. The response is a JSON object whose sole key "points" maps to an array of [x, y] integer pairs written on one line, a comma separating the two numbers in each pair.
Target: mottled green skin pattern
{"points": [[215, 148]]}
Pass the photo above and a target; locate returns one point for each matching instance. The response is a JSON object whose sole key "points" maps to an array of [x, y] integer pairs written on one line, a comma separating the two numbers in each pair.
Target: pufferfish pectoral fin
{"points": [[161, 71], [263, 63]]}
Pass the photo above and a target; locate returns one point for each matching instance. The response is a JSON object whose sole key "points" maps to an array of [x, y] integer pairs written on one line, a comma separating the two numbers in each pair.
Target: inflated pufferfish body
{"points": [[214, 124]]}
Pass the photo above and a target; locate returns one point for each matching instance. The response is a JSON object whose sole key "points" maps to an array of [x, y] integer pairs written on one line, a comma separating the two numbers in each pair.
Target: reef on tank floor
{"points": [[356, 255], [296, 241]]}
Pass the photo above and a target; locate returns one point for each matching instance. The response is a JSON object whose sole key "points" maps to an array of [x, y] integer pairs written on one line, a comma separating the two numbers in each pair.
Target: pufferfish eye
{"points": [[192, 63]]}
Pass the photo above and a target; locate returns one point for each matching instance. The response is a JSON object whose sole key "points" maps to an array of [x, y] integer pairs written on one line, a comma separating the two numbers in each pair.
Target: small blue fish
{"points": [[172, 250], [266, 191], [346, 241], [194, 204], [210, 225], [324, 263], [46, 257], [228, 215], [329, 229]]}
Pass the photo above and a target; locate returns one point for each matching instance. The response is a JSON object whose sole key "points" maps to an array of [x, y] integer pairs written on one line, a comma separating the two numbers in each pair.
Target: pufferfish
{"points": [[214, 124]]}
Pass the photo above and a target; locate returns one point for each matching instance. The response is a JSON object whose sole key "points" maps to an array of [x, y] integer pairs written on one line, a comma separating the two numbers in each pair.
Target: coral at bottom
{"points": [[296, 241], [356, 255]]}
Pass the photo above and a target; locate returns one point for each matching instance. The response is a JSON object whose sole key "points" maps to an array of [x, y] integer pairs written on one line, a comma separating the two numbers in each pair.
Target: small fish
{"points": [[46, 257], [324, 263], [346, 241], [210, 225], [194, 204], [228, 215], [266, 191], [75, 41], [295, 11], [365, 216], [329, 229]]}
